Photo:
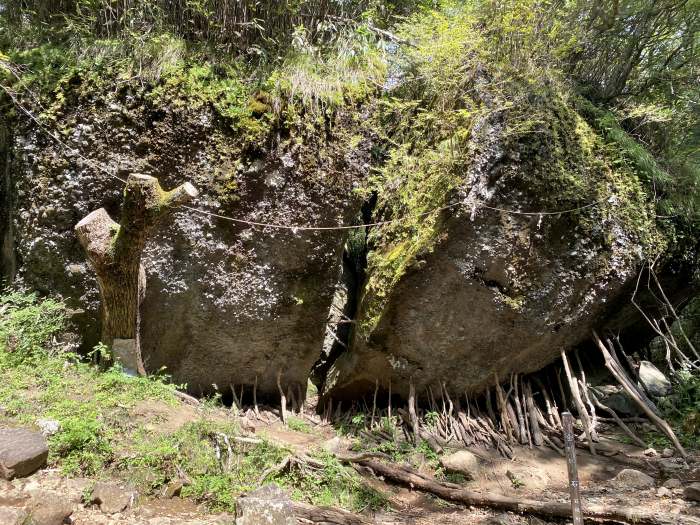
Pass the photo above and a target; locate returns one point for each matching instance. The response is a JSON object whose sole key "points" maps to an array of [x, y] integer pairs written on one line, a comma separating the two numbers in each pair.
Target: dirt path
{"points": [[537, 473]]}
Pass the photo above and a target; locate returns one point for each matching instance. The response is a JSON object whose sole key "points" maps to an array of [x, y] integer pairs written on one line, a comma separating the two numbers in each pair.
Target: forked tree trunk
{"points": [[114, 249]]}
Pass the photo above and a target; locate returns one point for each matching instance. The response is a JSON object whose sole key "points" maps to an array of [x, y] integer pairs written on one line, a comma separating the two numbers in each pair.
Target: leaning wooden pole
{"points": [[283, 398], [114, 250], [580, 407], [632, 391]]}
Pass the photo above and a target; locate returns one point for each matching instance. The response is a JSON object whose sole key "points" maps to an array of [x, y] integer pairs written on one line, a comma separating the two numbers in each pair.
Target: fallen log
{"points": [[546, 509], [326, 515]]}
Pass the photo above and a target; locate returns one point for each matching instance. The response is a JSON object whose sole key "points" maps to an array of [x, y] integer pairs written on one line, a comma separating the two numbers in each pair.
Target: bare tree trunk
{"points": [[114, 249]]}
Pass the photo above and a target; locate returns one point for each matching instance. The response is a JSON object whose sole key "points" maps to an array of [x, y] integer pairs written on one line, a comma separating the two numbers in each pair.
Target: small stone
{"points": [[634, 479], [667, 453], [5, 486], [663, 492], [268, 505], [332, 445], [48, 427], [112, 497], [463, 462], [692, 492], [651, 452], [12, 516], [48, 508], [172, 489], [499, 519], [671, 464], [246, 424], [672, 483], [653, 380], [22, 452]]}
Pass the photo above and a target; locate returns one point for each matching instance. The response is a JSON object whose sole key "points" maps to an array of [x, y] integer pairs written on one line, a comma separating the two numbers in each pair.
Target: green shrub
{"points": [[299, 425], [682, 407], [333, 484], [81, 446], [28, 324]]}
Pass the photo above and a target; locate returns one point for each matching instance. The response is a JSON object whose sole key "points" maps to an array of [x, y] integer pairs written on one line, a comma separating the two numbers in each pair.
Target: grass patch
{"points": [[102, 435], [334, 484], [299, 425]]}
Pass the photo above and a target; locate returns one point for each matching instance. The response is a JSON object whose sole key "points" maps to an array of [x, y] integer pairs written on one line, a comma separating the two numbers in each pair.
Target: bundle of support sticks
{"points": [[522, 411]]}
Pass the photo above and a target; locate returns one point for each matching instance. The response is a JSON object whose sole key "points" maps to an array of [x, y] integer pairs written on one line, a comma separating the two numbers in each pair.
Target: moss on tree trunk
{"points": [[115, 249]]}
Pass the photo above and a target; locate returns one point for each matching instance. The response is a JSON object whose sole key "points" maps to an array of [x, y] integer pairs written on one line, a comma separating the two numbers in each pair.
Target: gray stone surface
{"points": [[22, 452], [12, 516], [615, 397], [692, 492], [672, 483], [633, 479], [113, 497], [463, 462], [663, 492], [671, 465], [268, 505], [654, 381], [48, 508], [225, 302]]}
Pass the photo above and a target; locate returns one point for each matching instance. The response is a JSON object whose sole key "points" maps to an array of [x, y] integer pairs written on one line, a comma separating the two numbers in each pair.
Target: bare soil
{"points": [[537, 473]]}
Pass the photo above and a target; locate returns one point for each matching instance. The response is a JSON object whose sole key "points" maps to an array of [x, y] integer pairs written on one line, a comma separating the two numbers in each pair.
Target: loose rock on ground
{"points": [[22, 452], [633, 479]]}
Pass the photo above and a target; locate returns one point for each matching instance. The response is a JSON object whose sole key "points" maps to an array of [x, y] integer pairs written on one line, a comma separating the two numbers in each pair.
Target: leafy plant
{"points": [[299, 425], [29, 325], [333, 484], [682, 407]]}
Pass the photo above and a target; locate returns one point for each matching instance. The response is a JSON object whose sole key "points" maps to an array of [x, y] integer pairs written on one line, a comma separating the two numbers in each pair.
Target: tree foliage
{"points": [[636, 59]]}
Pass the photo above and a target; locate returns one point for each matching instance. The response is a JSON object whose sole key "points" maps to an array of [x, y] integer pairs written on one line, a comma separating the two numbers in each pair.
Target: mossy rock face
{"points": [[473, 293], [226, 303]]}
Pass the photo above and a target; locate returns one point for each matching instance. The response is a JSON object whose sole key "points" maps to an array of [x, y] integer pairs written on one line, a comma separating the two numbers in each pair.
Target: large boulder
{"points": [[226, 302], [633, 479], [474, 292], [22, 452]]}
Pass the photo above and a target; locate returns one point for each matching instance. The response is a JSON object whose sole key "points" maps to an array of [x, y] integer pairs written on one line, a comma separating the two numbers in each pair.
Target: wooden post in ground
{"points": [[574, 489]]}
